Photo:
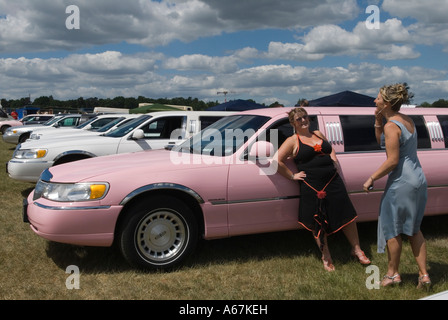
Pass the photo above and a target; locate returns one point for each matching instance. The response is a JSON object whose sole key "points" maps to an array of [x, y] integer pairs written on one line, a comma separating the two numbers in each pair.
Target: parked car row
{"points": [[222, 182], [150, 131], [20, 134], [31, 119]]}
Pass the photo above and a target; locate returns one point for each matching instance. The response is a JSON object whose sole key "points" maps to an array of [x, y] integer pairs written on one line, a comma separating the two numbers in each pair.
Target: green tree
{"points": [[441, 103]]}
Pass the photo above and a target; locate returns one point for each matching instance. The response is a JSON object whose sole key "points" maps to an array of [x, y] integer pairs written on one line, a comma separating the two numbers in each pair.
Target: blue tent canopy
{"points": [[344, 98], [237, 105]]}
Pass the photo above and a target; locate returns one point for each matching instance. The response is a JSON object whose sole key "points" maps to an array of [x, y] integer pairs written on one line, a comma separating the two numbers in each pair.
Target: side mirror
{"points": [[138, 134], [261, 150]]}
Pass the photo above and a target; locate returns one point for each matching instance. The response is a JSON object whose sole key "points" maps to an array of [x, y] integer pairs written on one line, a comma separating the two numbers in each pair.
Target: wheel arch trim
{"points": [[162, 186], [74, 152]]}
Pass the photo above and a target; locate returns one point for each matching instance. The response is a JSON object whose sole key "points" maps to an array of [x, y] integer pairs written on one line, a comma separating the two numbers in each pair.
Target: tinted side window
{"points": [[424, 141], [284, 130], [359, 133], [443, 120], [208, 120], [163, 127]]}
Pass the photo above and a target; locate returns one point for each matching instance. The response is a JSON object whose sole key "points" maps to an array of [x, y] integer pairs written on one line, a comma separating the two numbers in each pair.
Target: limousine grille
{"points": [[334, 133], [436, 131]]}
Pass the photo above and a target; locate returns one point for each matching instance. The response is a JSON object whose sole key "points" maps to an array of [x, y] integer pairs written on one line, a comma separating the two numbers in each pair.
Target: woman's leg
{"points": [[351, 233], [418, 245], [394, 246], [326, 256]]}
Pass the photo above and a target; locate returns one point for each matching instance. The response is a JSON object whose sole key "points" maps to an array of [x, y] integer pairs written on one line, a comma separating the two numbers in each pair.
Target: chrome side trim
{"points": [[435, 130], [221, 202], [69, 208], [334, 132], [162, 186]]}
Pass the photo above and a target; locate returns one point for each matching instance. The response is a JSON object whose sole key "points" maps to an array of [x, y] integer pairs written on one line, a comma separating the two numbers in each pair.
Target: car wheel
{"points": [[158, 233], [24, 137], [3, 129]]}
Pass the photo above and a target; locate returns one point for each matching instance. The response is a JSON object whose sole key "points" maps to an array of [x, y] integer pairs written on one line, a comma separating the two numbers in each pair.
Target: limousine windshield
{"points": [[225, 136]]}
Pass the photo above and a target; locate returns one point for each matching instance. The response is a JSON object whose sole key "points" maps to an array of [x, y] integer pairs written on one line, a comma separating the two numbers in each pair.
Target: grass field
{"points": [[277, 266]]}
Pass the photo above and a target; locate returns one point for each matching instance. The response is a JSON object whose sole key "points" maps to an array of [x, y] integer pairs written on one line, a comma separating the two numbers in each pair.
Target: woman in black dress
{"points": [[325, 206]]}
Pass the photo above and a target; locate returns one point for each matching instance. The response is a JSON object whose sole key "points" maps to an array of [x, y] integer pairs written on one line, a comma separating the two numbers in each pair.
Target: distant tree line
{"points": [[88, 104], [81, 104]]}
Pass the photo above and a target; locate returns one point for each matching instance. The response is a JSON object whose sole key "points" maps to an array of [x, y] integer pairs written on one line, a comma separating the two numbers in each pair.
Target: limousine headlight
{"points": [[30, 153], [68, 192]]}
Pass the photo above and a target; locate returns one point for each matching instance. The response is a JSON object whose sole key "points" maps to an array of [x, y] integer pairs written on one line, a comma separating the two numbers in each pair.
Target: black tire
{"points": [[158, 233], [24, 137], [4, 128]]}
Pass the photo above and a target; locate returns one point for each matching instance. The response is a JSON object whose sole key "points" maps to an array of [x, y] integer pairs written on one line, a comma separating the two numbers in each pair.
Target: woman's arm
{"points": [[392, 135], [285, 151]]}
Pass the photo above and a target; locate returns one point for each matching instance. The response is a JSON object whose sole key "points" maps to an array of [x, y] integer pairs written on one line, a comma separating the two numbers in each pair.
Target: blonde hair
{"points": [[301, 111], [396, 94]]}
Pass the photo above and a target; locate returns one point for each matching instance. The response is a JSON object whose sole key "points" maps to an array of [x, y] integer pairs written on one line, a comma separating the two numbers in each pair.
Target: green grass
{"points": [[276, 266]]}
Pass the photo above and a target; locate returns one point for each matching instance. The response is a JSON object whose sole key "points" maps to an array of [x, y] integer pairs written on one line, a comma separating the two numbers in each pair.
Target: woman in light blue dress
{"points": [[404, 199]]}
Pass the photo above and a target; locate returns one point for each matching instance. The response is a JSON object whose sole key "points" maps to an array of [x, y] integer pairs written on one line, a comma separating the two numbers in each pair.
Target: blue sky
{"points": [[263, 50]]}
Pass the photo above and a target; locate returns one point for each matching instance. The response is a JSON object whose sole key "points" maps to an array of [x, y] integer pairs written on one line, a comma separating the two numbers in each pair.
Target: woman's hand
{"points": [[368, 185], [299, 175]]}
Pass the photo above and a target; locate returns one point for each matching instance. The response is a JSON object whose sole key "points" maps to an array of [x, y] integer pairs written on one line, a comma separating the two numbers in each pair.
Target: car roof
{"points": [[338, 110]]}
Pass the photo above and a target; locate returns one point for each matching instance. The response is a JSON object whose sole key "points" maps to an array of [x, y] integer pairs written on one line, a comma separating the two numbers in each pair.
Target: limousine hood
{"points": [[129, 166]]}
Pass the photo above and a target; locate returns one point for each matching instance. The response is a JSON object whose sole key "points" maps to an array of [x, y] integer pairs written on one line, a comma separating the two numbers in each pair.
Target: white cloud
{"points": [[258, 72]]}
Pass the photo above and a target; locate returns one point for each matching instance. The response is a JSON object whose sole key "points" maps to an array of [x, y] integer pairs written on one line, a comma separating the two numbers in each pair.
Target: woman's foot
{"points": [[391, 280], [328, 264], [424, 282], [360, 256]]}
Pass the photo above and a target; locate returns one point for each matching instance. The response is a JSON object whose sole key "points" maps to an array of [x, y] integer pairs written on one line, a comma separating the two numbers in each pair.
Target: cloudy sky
{"points": [[266, 50]]}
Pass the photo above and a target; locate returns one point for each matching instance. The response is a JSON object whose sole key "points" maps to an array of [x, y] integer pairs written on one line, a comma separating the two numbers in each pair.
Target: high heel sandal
{"points": [[391, 280], [328, 265], [360, 256], [424, 284]]}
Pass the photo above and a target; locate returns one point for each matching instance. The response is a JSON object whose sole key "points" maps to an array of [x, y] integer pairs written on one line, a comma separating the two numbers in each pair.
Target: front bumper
{"points": [[27, 170], [85, 224], [11, 138]]}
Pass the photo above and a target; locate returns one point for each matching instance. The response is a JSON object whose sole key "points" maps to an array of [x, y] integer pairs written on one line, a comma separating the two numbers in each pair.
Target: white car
{"points": [[20, 134], [89, 127], [156, 130], [31, 119]]}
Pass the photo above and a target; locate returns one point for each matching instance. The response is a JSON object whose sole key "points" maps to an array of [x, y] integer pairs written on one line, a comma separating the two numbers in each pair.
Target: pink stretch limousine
{"points": [[222, 182]]}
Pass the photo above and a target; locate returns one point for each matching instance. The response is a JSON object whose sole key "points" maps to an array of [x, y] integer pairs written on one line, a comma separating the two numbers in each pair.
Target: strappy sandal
{"points": [[424, 284], [391, 280], [328, 265], [360, 256]]}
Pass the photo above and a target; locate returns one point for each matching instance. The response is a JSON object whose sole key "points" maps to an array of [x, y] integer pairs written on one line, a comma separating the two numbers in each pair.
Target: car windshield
{"points": [[52, 120], [223, 137], [86, 123], [109, 125], [123, 130]]}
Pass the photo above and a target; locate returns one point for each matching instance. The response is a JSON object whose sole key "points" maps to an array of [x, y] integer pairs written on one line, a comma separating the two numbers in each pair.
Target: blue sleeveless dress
{"points": [[404, 199]]}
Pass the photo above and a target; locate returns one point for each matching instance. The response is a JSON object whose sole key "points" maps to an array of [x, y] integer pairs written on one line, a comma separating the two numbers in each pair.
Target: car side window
{"points": [[208, 120], [69, 122], [359, 133], [443, 120], [283, 130], [424, 141], [162, 128]]}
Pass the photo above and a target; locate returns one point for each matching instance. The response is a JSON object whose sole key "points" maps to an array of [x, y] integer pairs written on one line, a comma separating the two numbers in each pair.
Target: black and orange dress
{"points": [[325, 206]]}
